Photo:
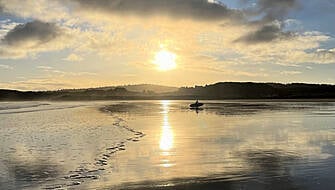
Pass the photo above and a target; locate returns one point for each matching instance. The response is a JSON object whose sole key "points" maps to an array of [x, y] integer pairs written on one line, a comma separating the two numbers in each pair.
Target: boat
{"points": [[197, 104]]}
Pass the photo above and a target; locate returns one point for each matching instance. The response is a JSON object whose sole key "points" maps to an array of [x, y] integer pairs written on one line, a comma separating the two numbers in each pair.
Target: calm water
{"points": [[163, 144]]}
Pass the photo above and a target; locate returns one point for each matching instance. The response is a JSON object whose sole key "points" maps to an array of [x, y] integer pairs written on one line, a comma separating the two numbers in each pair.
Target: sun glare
{"points": [[165, 60]]}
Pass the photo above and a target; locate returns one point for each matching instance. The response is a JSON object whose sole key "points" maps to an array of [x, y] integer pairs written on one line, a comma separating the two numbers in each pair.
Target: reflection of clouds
{"points": [[288, 135], [230, 144], [271, 168], [32, 172]]}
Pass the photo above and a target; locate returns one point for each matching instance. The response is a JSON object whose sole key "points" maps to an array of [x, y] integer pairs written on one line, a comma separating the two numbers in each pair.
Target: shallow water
{"points": [[163, 144]]}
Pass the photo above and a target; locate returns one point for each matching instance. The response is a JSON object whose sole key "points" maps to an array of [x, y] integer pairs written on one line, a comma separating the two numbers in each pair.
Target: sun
{"points": [[165, 60]]}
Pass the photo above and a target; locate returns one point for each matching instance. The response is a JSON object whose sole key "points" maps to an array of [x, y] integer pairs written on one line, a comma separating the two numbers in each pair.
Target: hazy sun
{"points": [[165, 60]]}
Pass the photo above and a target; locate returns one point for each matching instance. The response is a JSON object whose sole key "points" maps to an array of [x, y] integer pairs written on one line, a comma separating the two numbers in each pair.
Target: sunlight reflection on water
{"points": [[166, 139]]}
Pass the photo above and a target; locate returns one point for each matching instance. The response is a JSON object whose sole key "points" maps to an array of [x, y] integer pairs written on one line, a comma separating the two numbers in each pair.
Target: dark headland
{"points": [[218, 91]]}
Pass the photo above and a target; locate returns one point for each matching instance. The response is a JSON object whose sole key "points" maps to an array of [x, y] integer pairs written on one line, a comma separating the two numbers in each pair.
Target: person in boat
{"points": [[196, 104]]}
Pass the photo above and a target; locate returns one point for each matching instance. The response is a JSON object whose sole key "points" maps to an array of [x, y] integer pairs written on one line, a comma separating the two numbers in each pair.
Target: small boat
{"points": [[197, 104]]}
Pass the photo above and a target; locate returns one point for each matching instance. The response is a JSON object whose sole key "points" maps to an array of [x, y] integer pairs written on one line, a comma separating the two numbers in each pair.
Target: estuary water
{"points": [[165, 145]]}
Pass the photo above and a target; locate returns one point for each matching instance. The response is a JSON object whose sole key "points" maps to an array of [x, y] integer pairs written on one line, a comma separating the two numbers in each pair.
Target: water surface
{"points": [[163, 144]]}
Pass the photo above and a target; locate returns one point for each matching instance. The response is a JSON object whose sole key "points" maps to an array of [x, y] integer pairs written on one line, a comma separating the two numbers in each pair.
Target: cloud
{"points": [[265, 11], [51, 78], [290, 72], [7, 67], [192, 9], [325, 53], [270, 21], [44, 10], [266, 21], [32, 33], [38, 84], [266, 33], [73, 58], [56, 81], [42, 67], [6, 26], [32, 38], [51, 71], [274, 9]]}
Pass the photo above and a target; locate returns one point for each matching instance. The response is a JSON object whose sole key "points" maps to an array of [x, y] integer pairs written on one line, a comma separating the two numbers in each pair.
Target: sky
{"points": [[57, 44]]}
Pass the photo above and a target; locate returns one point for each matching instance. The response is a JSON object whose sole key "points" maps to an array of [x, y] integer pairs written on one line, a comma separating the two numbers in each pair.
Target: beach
{"points": [[158, 144]]}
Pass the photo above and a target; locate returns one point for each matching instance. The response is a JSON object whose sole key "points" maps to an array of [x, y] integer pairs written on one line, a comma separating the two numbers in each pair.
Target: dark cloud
{"points": [[270, 25], [197, 9], [1, 7], [326, 53], [267, 11], [37, 31], [266, 33]]}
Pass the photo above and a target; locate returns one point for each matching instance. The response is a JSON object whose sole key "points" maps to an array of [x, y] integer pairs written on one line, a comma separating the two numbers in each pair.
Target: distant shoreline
{"points": [[218, 91], [191, 100]]}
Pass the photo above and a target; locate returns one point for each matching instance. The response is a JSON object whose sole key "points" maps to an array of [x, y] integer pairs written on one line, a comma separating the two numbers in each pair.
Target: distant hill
{"points": [[149, 88], [222, 90], [72, 94], [250, 90]]}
